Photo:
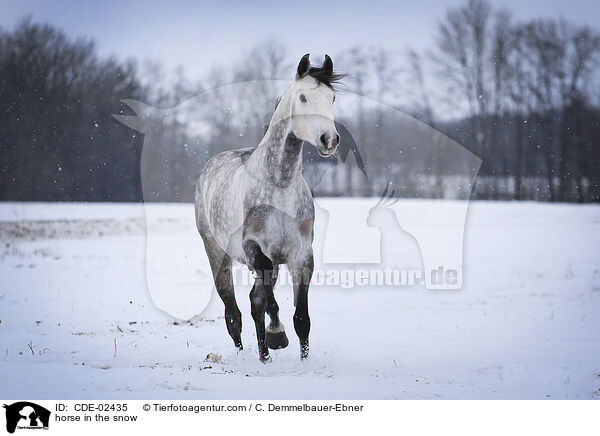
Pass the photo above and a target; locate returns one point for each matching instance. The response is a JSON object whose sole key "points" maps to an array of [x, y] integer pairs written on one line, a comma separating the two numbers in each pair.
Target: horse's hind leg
{"points": [[275, 337], [220, 264], [263, 286]]}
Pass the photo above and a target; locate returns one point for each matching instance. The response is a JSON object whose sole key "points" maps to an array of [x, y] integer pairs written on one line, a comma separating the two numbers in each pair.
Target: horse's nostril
{"points": [[337, 139], [323, 139]]}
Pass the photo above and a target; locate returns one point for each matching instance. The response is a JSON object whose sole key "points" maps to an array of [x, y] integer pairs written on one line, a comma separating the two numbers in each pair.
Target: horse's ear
{"points": [[328, 65], [303, 66]]}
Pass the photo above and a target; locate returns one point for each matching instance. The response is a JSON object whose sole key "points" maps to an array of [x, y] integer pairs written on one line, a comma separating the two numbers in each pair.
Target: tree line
{"points": [[524, 96]]}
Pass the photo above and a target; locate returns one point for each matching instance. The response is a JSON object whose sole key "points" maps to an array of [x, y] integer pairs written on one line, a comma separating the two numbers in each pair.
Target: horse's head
{"points": [[312, 97]]}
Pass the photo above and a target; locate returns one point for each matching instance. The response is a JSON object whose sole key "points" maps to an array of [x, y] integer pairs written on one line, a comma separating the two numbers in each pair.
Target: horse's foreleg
{"points": [[275, 337], [302, 270], [263, 285]]}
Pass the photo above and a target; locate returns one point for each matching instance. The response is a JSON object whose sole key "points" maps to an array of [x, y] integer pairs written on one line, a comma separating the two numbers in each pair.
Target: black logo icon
{"points": [[26, 415]]}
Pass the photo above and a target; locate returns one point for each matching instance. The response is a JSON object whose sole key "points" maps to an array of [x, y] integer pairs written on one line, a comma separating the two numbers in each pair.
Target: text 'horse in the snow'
{"points": [[254, 206]]}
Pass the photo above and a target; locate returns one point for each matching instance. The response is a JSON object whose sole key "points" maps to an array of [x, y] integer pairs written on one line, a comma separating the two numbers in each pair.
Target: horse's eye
{"points": [[302, 98], [334, 98]]}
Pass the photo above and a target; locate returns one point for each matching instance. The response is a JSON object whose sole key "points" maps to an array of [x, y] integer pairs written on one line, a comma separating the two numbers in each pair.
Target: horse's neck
{"points": [[279, 154]]}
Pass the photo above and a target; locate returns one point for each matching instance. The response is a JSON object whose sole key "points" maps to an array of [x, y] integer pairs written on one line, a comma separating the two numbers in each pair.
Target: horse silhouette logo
{"points": [[408, 235], [26, 415]]}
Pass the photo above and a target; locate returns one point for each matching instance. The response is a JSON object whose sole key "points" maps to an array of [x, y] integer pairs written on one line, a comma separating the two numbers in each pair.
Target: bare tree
{"points": [[523, 95], [423, 103], [355, 62], [559, 59], [462, 47]]}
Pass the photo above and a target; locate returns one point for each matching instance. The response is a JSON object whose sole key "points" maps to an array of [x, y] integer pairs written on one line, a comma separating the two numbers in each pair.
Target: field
{"points": [[77, 319]]}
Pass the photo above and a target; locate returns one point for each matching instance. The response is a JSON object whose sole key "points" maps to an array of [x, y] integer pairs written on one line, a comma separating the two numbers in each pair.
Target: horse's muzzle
{"points": [[329, 141], [328, 144]]}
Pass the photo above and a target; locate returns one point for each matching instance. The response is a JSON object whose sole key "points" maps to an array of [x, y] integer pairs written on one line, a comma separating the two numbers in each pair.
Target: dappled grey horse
{"points": [[254, 206]]}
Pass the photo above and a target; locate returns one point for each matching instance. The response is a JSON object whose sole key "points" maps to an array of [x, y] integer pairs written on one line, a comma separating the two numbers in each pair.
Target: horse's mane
{"points": [[327, 77]]}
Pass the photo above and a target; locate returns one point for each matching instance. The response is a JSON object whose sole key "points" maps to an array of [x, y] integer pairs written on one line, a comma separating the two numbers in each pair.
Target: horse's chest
{"points": [[278, 233], [285, 238]]}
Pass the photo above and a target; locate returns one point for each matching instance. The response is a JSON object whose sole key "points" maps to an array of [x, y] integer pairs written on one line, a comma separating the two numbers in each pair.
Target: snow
{"points": [[78, 321]]}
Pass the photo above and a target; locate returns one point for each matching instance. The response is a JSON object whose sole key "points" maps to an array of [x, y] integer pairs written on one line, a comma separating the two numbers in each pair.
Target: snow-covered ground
{"points": [[77, 320]]}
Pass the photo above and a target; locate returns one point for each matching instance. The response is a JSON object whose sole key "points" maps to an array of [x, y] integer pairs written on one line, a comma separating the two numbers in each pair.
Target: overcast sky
{"points": [[199, 34]]}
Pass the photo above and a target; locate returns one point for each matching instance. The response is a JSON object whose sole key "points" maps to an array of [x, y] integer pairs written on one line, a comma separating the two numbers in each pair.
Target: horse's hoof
{"points": [[304, 351], [276, 341], [265, 359]]}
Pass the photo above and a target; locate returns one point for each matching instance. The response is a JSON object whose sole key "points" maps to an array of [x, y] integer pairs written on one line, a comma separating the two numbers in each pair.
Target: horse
{"points": [[253, 206]]}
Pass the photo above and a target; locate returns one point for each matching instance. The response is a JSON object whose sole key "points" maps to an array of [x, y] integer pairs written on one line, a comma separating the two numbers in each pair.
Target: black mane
{"points": [[326, 77]]}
